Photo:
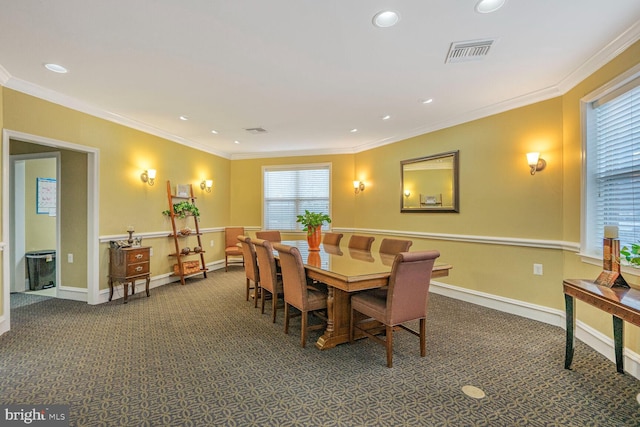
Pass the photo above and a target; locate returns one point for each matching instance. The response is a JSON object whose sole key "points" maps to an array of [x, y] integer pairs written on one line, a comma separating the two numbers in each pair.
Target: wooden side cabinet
{"points": [[126, 265]]}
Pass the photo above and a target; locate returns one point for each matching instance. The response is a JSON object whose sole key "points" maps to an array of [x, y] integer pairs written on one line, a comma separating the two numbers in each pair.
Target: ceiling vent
{"points": [[256, 131], [473, 50]]}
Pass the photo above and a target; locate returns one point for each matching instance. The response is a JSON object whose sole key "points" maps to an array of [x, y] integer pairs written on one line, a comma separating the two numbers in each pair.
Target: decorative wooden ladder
{"points": [[179, 237]]}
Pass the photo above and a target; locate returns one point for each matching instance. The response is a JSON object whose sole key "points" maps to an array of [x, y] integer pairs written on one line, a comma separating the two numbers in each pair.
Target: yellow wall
{"points": [[40, 229], [499, 199], [123, 199], [246, 187]]}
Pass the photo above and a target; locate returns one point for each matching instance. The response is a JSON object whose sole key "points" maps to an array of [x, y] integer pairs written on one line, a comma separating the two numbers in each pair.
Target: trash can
{"points": [[41, 267]]}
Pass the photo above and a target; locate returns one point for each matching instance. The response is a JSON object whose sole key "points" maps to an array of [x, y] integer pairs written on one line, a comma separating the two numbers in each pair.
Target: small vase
{"points": [[315, 238]]}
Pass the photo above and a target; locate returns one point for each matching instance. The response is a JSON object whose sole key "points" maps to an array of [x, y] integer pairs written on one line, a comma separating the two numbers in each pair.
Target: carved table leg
{"points": [[571, 323], [618, 337], [126, 291], [147, 285], [110, 289]]}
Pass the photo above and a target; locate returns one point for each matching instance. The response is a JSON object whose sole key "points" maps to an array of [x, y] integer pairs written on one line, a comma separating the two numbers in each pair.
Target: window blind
{"points": [[615, 163], [289, 191]]}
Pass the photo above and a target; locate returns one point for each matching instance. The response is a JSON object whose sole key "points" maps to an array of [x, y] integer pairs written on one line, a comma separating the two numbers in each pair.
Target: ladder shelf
{"points": [[185, 268]]}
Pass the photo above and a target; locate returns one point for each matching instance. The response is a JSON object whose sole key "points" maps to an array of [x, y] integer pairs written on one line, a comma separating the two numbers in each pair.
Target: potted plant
{"points": [[182, 209], [312, 224], [632, 254]]}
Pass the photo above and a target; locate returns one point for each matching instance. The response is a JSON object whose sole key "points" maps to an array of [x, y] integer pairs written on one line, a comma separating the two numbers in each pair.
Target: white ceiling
{"points": [[307, 71]]}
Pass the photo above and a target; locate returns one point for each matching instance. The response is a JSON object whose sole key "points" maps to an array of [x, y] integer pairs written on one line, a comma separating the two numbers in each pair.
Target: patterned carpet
{"points": [[200, 355]]}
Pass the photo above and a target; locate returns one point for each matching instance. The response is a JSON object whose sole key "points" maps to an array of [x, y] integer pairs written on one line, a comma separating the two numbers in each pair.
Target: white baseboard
{"points": [[156, 281], [594, 339]]}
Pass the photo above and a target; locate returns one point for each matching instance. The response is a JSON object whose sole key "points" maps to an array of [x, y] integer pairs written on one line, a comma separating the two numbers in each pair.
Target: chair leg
{"points": [[303, 331], [226, 263], [248, 288], [274, 304], [264, 297], [257, 292], [351, 325], [389, 344], [423, 337], [286, 318]]}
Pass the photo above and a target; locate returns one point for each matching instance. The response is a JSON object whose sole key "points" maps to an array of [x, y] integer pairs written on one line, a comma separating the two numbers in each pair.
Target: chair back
{"points": [[409, 286], [270, 235], [332, 239], [231, 236], [266, 265], [250, 258], [294, 277], [361, 242], [394, 246]]}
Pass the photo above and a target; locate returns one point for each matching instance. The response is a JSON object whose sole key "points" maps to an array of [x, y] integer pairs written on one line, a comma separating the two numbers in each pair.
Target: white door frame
{"points": [[93, 171]]}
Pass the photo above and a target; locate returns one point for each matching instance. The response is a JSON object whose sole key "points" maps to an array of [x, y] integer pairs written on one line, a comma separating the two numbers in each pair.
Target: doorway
{"points": [[80, 196], [34, 224]]}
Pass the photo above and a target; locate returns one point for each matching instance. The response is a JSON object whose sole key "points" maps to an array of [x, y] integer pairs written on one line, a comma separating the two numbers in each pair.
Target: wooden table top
{"points": [[351, 269]]}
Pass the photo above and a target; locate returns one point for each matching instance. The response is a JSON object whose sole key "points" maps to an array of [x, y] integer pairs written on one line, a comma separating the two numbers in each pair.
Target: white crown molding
{"points": [[78, 105], [602, 57], [4, 76]]}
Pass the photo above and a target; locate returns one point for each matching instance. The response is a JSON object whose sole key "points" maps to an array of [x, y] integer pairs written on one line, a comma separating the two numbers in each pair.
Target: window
{"points": [[612, 166], [289, 190]]}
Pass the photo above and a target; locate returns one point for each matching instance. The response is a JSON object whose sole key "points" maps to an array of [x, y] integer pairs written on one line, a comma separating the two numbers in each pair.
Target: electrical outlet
{"points": [[211, 243], [70, 258], [537, 269]]}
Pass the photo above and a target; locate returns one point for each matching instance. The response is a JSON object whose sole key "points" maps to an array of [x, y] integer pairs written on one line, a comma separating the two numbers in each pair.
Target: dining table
{"points": [[345, 271]]}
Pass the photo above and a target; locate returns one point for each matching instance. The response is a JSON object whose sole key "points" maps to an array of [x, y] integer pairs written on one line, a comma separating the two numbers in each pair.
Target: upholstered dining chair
{"points": [[332, 238], [270, 281], [250, 268], [297, 293], [270, 235], [361, 242], [405, 300], [231, 247], [394, 246]]}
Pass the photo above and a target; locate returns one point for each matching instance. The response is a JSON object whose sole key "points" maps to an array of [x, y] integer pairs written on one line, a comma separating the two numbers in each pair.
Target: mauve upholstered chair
{"points": [[250, 267], [332, 239], [362, 243], [271, 235], [297, 293], [270, 281], [405, 300], [394, 246]]}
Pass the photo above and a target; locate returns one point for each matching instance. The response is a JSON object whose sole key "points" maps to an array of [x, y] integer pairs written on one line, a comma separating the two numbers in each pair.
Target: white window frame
{"points": [[293, 167], [590, 235]]}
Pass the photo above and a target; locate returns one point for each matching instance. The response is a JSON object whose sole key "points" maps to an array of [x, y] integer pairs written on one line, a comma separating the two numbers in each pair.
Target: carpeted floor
{"points": [[200, 355]]}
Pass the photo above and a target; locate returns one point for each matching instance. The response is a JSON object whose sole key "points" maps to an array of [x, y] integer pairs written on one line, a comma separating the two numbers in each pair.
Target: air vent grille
{"points": [[256, 131], [469, 50]]}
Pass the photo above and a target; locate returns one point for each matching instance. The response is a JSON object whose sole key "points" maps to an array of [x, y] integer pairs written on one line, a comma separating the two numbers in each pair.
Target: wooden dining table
{"points": [[346, 271]]}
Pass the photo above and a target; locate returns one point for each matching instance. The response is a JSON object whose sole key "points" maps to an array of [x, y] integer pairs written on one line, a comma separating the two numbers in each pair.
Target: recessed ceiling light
{"points": [[236, 142], [56, 68], [214, 131], [427, 101], [354, 130], [185, 118], [488, 6], [386, 18], [386, 117]]}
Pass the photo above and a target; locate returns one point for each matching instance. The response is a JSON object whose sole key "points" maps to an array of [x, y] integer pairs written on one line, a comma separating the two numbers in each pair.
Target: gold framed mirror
{"points": [[430, 183]]}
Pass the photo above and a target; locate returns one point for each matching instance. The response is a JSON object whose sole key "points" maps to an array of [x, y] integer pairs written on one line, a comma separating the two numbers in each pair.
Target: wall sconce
{"points": [[206, 185], [535, 162], [358, 186], [407, 193], [148, 176]]}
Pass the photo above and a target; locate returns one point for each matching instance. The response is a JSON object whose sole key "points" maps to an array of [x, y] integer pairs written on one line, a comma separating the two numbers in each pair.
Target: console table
{"points": [[622, 303], [126, 265]]}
